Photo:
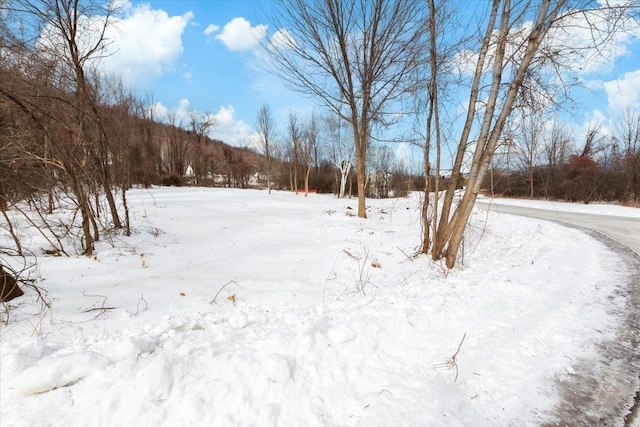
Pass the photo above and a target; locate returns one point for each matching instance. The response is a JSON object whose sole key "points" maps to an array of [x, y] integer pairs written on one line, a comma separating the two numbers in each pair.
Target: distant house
{"points": [[378, 184], [224, 180], [257, 180], [189, 172], [220, 179]]}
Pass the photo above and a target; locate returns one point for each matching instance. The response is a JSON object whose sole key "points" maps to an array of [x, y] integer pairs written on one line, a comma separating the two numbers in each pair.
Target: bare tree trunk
{"points": [[432, 119], [345, 168], [3, 199], [127, 221], [361, 171], [354, 56], [451, 231], [50, 203], [426, 222], [531, 186], [86, 215], [106, 185], [295, 168], [290, 176], [444, 230], [12, 232]]}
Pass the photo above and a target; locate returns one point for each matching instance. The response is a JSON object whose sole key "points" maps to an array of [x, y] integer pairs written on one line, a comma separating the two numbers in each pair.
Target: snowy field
{"points": [[238, 308]]}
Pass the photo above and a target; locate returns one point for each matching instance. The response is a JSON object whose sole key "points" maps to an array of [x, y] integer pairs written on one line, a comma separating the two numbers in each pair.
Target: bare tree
{"points": [[178, 145], [295, 135], [594, 141], [511, 48], [145, 154], [527, 133], [200, 126], [382, 164], [353, 56], [73, 41], [340, 149], [266, 128], [308, 146], [67, 110], [583, 181], [124, 109], [627, 138], [557, 149], [433, 133]]}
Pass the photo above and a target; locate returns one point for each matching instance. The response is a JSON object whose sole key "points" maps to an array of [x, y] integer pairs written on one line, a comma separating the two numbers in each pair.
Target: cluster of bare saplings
{"points": [[540, 164]]}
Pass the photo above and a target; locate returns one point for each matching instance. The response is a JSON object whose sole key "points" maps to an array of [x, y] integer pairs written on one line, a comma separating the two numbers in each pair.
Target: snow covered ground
{"points": [[235, 307]]}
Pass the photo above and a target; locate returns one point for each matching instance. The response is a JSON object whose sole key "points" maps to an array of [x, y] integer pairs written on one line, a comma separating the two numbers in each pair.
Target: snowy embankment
{"points": [[232, 307]]}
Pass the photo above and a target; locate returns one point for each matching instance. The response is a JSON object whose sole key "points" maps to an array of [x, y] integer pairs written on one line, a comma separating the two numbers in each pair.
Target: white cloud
{"points": [[593, 84], [146, 43], [211, 28], [228, 129], [595, 120], [120, 5], [624, 93], [282, 39], [255, 141], [588, 43], [180, 113], [141, 43], [238, 34]]}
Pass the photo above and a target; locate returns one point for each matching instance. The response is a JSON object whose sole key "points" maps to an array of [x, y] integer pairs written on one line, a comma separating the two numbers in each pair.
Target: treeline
{"points": [[551, 165], [317, 153]]}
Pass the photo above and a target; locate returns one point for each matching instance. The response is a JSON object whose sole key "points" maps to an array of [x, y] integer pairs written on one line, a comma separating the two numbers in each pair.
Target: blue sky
{"points": [[204, 56]]}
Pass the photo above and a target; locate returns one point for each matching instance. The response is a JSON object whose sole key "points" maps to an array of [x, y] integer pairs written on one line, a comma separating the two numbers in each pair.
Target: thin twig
{"points": [[220, 290], [88, 310], [459, 345], [452, 362], [146, 305], [102, 308], [409, 257]]}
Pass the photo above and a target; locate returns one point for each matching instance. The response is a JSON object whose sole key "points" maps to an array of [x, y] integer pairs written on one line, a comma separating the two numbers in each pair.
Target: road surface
{"points": [[621, 229], [607, 392]]}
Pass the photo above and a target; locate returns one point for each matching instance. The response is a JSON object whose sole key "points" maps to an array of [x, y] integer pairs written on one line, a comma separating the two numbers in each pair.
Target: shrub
{"points": [[172, 180]]}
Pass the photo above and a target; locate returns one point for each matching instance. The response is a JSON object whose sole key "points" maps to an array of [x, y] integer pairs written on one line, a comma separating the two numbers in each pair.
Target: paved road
{"points": [[607, 390], [621, 229]]}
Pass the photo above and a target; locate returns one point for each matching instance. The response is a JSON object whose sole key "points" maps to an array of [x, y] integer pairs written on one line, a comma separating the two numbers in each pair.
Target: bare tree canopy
{"points": [[52, 82], [522, 44], [340, 149], [266, 128], [353, 56]]}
